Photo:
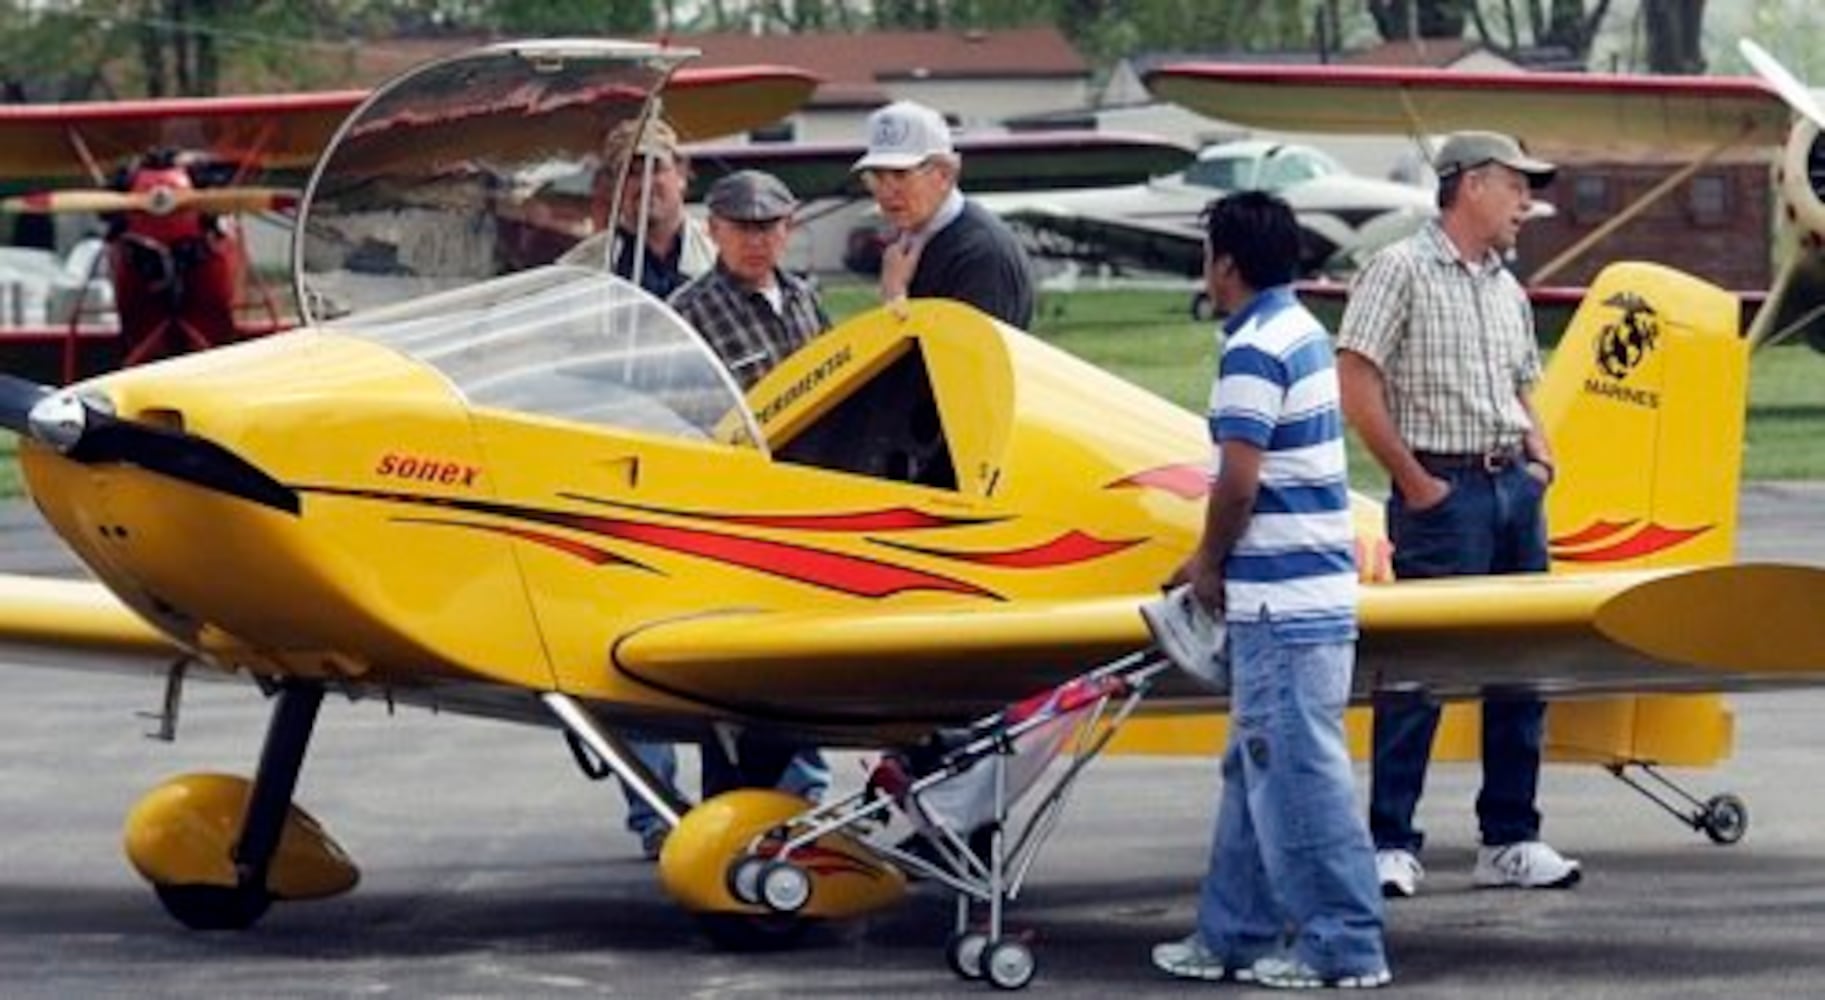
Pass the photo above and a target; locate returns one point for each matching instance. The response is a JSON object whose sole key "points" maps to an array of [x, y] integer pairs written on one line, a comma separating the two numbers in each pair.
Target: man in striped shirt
{"points": [[1436, 358], [1276, 560]]}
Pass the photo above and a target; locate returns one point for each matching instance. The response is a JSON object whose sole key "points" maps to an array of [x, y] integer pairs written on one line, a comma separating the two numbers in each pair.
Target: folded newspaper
{"points": [[1187, 634]]}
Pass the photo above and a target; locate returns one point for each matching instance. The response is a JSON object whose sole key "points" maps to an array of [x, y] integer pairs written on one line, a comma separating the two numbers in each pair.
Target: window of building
{"points": [[1590, 198], [1708, 200], [785, 130]]}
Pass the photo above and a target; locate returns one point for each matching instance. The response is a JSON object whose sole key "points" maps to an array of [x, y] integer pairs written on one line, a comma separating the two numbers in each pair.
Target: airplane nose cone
{"points": [[60, 419]]}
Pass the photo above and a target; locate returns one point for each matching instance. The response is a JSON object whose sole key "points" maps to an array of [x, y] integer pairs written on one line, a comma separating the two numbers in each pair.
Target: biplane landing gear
{"points": [[1724, 818]]}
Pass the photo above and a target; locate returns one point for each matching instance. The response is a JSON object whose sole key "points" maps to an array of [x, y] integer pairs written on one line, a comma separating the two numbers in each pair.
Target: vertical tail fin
{"points": [[1643, 403]]}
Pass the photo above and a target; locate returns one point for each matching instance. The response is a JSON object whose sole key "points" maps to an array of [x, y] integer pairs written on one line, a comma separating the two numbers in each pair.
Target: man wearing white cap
{"points": [[1436, 358], [945, 246]]}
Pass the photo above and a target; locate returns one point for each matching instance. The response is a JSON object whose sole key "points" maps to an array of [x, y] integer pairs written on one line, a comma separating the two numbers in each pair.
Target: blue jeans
{"points": [[662, 760], [1290, 848], [1490, 523], [806, 774]]}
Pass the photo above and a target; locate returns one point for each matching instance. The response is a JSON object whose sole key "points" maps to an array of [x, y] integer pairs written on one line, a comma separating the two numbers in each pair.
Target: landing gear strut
{"points": [[238, 907], [1723, 818]]}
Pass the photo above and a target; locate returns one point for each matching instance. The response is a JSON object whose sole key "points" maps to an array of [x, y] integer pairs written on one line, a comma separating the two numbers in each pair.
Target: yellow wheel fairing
{"points": [[183, 833], [847, 878]]}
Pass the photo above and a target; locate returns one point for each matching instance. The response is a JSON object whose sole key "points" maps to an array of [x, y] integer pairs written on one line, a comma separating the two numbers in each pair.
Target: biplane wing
{"points": [[1588, 111], [1686, 119]]}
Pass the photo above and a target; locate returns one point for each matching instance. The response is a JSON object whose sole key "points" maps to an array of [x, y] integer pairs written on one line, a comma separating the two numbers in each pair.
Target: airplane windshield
{"points": [[570, 342], [448, 177]]}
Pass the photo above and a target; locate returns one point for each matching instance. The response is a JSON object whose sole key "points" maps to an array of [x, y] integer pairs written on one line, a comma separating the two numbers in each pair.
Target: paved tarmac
{"points": [[491, 868]]}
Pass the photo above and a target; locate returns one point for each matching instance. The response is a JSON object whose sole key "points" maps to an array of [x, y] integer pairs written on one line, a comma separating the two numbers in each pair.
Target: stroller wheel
{"points": [[784, 887], [744, 878], [963, 953], [1009, 965]]}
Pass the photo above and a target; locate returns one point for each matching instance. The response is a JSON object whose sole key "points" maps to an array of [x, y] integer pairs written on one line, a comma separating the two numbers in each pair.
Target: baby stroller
{"points": [[957, 790]]}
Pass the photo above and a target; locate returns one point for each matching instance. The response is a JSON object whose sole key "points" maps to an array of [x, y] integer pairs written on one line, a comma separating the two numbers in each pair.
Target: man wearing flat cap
{"points": [[1436, 358], [753, 313], [748, 308]]}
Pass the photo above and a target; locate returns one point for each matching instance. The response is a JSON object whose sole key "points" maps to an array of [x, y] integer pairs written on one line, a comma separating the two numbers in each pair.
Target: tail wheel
{"points": [[1725, 819], [214, 907]]}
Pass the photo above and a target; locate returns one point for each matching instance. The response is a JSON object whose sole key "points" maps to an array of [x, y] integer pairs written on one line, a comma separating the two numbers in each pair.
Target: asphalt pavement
{"points": [[491, 867]]}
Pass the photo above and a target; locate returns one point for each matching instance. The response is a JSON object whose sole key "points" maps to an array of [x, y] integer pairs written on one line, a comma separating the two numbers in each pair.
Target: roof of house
{"points": [[855, 66]]}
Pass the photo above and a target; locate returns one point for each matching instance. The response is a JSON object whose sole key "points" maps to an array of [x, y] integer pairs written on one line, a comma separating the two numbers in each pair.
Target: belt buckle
{"points": [[1497, 459]]}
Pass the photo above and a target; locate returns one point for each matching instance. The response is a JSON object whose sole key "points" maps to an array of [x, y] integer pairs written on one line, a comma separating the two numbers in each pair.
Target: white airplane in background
{"points": [[1154, 226]]}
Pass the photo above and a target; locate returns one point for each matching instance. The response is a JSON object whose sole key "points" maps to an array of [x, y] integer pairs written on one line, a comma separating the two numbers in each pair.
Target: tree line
{"points": [[108, 49]]}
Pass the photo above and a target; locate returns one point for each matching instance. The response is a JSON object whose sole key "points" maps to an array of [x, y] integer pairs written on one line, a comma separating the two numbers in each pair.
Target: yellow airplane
{"points": [[1693, 117], [538, 496]]}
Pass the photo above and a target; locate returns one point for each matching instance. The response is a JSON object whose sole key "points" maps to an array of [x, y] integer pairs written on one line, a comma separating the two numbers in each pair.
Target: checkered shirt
{"points": [[741, 326], [1454, 341]]}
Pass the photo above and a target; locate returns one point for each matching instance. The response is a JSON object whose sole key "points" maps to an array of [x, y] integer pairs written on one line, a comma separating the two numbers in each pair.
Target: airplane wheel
{"points": [[1009, 965], [214, 907], [1725, 819], [744, 878], [1202, 309], [963, 953], [784, 887], [752, 932]]}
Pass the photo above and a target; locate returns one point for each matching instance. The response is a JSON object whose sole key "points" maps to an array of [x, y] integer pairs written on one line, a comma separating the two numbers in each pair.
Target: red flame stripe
{"points": [[816, 567], [1649, 540], [885, 519], [1596, 531], [1186, 480], [569, 546], [1071, 547]]}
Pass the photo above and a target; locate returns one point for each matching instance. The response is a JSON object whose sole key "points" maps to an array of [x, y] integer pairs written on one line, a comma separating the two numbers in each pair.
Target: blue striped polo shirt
{"points": [[1276, 389]]}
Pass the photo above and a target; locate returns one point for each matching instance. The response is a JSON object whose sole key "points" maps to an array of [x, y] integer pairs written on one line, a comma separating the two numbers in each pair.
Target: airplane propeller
{"points": [[82, 430], [1797, 95], [157, 201]]}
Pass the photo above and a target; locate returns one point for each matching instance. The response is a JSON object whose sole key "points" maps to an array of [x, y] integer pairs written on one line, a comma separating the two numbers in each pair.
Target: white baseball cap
{"points": [[903, 135]]}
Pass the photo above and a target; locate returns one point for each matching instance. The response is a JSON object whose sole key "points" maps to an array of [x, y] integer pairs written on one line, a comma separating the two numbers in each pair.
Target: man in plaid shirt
{"points": [[1436, 358], [751, 311]]}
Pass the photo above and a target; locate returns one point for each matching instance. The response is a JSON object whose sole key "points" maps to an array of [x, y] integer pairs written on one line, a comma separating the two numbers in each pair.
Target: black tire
{"points": [[1202, 309], [751, 932], [214, 907], [743, 881], [1725, 819]]}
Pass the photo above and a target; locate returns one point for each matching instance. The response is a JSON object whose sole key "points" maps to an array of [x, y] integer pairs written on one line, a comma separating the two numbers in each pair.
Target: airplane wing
{"points": [[1013, 162], [1591, 111], [76, 624], [278, 131], [1721, 628], [1057, 231], [287, 131]]}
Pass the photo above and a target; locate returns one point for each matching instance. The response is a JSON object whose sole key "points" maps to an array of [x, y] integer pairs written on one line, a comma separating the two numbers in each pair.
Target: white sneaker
{"points": [[1399, 873], [1286, 973], [1530, 864], [1190, 959]]}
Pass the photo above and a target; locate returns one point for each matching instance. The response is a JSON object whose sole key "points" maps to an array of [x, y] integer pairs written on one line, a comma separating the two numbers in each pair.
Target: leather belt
{"points": [[1491, 461]]}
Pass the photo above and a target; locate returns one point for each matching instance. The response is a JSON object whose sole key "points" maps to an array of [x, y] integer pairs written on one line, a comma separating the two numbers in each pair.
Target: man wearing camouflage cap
{"points": [[1436, 358]]}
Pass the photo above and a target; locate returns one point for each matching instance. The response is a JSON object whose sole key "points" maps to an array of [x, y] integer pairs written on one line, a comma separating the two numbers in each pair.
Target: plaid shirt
{"points": [[1454, 341], [741, 326]]}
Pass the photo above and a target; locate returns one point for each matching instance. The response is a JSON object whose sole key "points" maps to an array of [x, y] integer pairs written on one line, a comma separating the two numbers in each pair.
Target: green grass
{"points": [[1148, 338]]}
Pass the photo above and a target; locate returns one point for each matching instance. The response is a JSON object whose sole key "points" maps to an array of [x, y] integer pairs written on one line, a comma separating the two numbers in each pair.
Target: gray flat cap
{"points": [[750, 196]]}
